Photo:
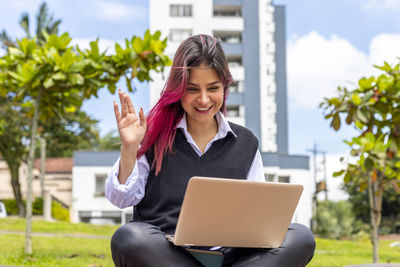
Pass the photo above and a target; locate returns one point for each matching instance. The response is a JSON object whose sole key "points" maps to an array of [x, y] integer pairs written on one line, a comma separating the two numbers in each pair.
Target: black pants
{"points": [[145, 245]]}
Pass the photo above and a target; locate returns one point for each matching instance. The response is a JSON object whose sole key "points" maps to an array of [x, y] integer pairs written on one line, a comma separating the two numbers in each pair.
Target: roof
{"points": [[95, 158], [56, 165]]}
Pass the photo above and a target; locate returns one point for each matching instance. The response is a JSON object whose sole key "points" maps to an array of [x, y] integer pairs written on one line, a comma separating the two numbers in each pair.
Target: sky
{"points": [[330, 43]]}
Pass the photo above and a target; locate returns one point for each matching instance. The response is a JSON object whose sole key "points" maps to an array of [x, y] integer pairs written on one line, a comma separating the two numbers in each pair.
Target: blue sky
{"points": [[329, 43]]}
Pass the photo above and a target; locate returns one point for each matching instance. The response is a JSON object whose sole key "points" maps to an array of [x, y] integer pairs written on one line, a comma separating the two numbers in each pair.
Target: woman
{"points": [[185, 135]]}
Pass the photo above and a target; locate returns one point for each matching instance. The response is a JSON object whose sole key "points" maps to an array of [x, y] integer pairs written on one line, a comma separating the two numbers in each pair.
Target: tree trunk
{"points": [[28, 237], [16, 186], [375, 190], [42, 164]]}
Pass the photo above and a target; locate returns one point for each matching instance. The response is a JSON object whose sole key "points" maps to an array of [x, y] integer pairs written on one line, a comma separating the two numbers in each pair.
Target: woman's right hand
{"points": [[131, 128]]}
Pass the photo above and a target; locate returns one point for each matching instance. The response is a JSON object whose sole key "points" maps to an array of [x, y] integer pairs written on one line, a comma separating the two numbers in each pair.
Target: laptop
{"points": [[235, 213]]}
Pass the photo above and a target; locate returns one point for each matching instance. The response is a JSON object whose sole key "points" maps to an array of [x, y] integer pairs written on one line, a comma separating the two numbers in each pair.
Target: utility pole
{"points": [[315, 152], [326, 184]]}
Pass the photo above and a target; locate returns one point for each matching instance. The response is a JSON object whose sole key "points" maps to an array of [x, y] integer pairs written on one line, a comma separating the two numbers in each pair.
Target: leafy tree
{"points": [[12, 143], [75, 130], [53, 78], [110, 141], [14, 131], [360, 205], [373, 109]]}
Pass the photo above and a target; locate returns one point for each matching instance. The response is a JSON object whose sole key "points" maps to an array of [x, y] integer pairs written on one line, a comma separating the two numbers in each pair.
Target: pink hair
{"points": [[167, 112]]}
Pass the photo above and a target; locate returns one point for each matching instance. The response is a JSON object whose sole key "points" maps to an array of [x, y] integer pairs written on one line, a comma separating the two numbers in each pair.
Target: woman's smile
{"points": [[203, 109]]}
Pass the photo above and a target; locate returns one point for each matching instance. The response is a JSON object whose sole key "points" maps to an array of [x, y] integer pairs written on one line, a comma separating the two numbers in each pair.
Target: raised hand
{"points": [[131, 128]]}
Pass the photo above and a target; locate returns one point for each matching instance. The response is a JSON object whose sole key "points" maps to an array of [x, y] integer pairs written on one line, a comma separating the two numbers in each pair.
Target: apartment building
{"points": [[253, 37]]}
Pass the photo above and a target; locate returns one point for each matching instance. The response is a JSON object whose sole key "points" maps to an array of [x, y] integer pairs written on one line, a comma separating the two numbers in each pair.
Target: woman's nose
{"points": [[203, 98]]}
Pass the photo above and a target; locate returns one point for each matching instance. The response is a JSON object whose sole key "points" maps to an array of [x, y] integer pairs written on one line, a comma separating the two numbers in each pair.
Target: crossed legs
{"points": [[145, 245]]}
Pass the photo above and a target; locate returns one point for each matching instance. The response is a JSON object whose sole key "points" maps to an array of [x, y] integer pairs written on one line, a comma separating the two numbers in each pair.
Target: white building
{"points": [[89, 204], [253, 37]]}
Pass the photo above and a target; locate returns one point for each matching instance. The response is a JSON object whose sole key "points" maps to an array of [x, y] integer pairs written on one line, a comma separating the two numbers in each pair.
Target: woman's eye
{"points": [[213, 88], [191, 89]]}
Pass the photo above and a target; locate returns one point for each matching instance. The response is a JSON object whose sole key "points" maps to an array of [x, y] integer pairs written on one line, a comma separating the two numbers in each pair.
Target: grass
{"points": [[334, 253], [17, 224], [55, 251], [79, 251]]}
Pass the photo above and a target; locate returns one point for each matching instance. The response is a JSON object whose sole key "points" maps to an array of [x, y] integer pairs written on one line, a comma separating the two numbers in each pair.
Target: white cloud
{"points": [[117, 12], [385, 47], [317, 65]]}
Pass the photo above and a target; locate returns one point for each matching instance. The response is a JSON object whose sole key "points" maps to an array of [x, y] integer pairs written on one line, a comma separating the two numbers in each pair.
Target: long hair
{"points": [[167, 112]]}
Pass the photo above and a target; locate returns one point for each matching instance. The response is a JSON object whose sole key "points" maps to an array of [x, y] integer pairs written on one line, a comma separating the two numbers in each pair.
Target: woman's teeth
{"points": [[203, 109]]}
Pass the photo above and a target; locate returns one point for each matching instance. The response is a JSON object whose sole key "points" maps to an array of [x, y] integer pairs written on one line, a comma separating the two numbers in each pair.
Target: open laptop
{"points": [[235, 213]]}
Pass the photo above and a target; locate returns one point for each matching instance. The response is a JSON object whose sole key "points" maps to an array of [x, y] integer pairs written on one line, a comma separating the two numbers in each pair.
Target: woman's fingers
{"points": [[131, 109], [124, 107], [128, 108], [116, 112], [142, 118]]}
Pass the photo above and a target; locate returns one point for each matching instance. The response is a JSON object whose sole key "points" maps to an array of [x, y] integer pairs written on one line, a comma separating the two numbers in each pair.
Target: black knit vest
{"points": [[229, 157]]}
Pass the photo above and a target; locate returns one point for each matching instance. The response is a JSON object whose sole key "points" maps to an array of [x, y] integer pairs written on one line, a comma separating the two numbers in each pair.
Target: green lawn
{"points": [[76, 251], [333, 253], [16, 224]]}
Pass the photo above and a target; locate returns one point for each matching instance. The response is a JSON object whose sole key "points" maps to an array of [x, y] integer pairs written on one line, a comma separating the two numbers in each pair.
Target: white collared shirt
{"points": [[132, 192]]}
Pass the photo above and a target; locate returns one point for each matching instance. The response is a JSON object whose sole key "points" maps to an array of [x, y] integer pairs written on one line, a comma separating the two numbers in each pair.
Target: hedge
{"points": [[58, 212]]}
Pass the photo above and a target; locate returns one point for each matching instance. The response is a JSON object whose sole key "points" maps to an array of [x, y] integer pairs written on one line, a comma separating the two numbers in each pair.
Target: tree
{"points": [[373, 109], [75, 130], [14, 119], [110, 141], [54, 78], [14, 132], [360, 204]]}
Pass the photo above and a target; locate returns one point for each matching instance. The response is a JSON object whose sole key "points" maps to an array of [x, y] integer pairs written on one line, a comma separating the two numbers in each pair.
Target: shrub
{"points": [[11, 206], [335, 219], [58, 212], [37, 206]]}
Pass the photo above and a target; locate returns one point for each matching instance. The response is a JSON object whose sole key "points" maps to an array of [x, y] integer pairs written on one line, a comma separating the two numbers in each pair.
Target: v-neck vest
{"points": [[230, 157]]}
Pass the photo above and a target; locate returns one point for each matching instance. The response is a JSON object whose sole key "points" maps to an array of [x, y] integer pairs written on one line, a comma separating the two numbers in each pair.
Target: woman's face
{"points": [[204, 95]]}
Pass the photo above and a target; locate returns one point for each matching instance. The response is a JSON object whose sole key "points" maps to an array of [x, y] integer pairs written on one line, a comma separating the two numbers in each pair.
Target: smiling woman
{"points": [[186, 134]]}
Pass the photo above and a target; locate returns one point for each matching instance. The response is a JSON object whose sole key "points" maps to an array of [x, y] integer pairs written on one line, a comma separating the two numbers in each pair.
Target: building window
{"points": [[180, 10], [179, 35], [269, 177], [234, 61], [227, 11], [100, 185], [236, 87], [284, 179], [232, 111], [229, 37]]}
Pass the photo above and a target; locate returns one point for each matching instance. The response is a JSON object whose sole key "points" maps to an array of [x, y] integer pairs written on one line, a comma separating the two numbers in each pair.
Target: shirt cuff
{"points": [[129, 182]]}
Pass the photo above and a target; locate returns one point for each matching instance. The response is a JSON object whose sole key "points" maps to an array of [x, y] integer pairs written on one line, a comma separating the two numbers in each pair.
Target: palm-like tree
{"points": [[44, 21]]}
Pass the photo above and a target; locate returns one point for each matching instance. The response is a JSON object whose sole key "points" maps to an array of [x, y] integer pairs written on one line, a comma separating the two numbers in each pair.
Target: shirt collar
{"points": [[223, 126]]}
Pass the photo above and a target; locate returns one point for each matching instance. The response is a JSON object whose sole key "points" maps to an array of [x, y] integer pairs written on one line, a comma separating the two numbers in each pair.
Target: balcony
{"points": [[227, 9]]}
